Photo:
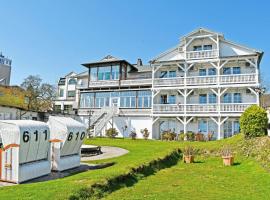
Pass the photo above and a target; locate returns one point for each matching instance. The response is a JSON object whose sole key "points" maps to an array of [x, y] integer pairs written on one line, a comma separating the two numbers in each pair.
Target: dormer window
{"points": [[202, 47], [72, 81]]}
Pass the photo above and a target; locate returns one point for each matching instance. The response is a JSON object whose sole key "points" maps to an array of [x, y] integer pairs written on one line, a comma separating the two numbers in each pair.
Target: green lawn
{"points": [[207, 179]]}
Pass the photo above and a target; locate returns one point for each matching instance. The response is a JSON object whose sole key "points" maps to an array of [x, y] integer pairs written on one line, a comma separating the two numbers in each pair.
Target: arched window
{"points": [[72, 81]]}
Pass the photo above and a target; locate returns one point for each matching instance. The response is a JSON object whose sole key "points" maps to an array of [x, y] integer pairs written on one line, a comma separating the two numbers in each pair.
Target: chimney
{"points": [[139, 62]]}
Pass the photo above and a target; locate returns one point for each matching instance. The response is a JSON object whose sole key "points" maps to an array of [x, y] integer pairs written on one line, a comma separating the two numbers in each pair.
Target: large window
{"points": [[212, 98], [172, 74], [207, 47], [93, 74], [226, 70], [227, 98], [72, 81], [104, 73], [197, 48], [237, 98], [172, 99], [163, 74], [144, 99], [236, 70], [71, 93], [202, 72], [236, 127], [115, 72], [102, 99], [128, 99], [87, 100], [227, 129], [163, 99], [212, 71], [203, 126], [61, 93], [168, 125], [202, 98]]}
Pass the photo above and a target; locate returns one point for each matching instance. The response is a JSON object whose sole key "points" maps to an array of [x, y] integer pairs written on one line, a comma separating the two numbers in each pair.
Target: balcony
{"points": [[114, 83], [193, 55], [5, 61], [206, 80], [200, 108]]}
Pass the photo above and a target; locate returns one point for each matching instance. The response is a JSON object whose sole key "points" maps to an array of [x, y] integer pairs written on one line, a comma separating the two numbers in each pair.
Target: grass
{"points": [[127, 179], [206, 179]]}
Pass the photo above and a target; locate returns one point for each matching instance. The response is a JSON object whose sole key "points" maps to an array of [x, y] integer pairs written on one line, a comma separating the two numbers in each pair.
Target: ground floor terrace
{"points": [[219, 127]]}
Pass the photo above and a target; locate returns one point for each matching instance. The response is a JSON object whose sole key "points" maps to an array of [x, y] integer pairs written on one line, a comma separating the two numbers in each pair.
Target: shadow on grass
{"points": [[236, 163], [199, 161], [99, 190]]}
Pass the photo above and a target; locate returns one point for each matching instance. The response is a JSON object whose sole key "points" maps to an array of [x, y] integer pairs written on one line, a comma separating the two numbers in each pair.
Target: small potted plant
{"points": [[181, 136], [189, 153], [133, 134], [145, 133], [227, 156]]}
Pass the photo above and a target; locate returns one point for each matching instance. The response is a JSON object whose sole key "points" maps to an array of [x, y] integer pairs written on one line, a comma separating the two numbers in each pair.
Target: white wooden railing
{"points": [[105, 83], [203, 80], [169, 81], [137, 82], [202, 54], [200, 108], [238, 78]]}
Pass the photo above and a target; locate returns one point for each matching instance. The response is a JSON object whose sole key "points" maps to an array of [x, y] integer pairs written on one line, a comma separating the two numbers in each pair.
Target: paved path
{"points": [[107, 152]]}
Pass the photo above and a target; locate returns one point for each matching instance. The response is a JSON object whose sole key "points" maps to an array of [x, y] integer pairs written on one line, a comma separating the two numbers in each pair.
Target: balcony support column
{"points": [[185, 122], [219, 123]]}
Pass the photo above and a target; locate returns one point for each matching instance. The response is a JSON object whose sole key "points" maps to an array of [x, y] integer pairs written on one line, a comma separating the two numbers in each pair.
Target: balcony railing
{"points": [[199, 108], [202, 54], [203, 80], [129, 82], [5, 61]]}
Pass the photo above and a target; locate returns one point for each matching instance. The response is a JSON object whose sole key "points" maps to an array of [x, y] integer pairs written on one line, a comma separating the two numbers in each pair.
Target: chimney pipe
{"points": [[139, 62]]}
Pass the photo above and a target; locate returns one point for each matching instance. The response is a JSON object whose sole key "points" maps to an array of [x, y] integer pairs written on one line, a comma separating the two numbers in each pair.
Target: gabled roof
{"points": [[85, 73], [202, 30], [105, 60]]}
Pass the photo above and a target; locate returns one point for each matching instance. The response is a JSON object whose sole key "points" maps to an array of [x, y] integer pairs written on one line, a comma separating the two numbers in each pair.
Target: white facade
{"points": [[203, 85], [25, 152]]}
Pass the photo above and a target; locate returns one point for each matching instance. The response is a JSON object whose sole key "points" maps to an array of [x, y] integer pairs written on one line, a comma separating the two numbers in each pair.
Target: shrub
{"points": [[133, 135], [190, 136], [111, 133], [181, 136], [145, 133], [253, 122], [168, 135], [189, 151]]}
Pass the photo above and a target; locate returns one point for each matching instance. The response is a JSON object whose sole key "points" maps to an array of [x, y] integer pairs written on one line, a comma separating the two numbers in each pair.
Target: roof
{"points": [[67, 121], [85, 73], [24, 123], [143, 68], [106, 59], [201, 29]]}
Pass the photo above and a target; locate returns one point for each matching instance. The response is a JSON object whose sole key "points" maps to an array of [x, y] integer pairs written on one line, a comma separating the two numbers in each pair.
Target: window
{"points": [[115, 72], [93, 74], [144, 99], [127, 99], [172, 99], [61, 93], [207, 47], [227, 98], [71, 93], [226, 70], [197, 48], [163, 74], [57, 108], [227, 129], [212, 98], [87, 100], [203, 126], [169, 125], [163, 99], [104, 73], [202, 72], [102, 99], [237, 98], [72, 81], [172, 74], [236, 127], [203, 99], [67, 108], [236, 70], [212, 71]]}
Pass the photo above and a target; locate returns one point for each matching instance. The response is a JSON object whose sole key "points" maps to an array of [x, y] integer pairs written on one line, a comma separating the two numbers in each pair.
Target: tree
{"points": [[253, 122], [39, 95]]}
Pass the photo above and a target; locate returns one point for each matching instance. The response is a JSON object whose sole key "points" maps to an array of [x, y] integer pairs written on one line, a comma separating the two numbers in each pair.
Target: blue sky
{"points": [[52, 38]]}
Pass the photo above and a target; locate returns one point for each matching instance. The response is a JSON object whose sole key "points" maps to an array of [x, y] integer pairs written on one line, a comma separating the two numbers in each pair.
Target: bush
{"points": [[190, 136], [253, 122], [111, 133], [145, 133], [133, 135], [181, 136], [168, 135]]}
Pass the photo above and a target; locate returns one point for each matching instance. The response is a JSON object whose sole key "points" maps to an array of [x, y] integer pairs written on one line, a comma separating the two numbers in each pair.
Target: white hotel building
{"points": [[203, 84]]}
